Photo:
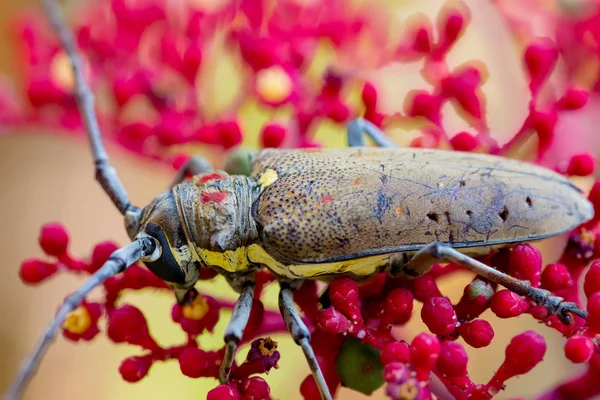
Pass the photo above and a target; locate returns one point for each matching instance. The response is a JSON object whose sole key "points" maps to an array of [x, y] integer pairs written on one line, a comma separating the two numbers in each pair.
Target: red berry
{"points": [[439, 316], [256, 388], [591, 284], [582, 165], [556, 277], [133, 369], [579, 349], [35, 271], [464, 141], [507, 304], [272, 135], [54, 239], [477, 333], [526, 263], [524, 352], [395, 352], [453, 359], [193, 362], [223, 392]]}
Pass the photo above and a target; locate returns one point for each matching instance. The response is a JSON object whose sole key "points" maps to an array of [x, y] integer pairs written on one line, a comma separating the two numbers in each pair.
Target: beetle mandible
{"points": [[322, 214]]}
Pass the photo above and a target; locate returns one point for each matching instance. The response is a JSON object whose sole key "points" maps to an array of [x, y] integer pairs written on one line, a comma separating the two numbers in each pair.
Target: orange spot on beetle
{"points": [[399, 211], [210, 177], [356, 181], [216, 197], [326, 199]]}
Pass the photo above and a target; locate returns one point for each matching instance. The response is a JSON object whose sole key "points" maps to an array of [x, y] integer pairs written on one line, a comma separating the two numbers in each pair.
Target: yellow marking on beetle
{"points": [[229, 260], [363, 266], [268, 178]]}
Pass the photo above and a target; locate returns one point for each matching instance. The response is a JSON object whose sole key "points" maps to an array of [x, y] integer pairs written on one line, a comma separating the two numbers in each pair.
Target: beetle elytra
{"points": [[321, 214]]}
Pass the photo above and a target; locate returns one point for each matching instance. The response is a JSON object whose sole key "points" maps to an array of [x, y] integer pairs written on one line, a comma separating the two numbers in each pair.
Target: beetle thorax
{"points": [[215, 210]]}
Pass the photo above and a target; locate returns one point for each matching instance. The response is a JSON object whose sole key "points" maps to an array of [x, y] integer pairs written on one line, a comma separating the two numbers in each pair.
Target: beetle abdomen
{"points": [[335, 204]]}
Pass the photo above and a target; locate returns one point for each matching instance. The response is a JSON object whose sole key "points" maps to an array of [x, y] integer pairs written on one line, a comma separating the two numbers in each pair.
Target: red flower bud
{"points": [[526, 263], [100, 255], [591, 284], [579, 349], [35, 271], [133, 369], [556, 277], [478, 333], [524, 352], [256, 388], [230, 134], [573, 99], [128, 324], [582, 165], [507, 304], [540, 59], [331, 320], [193, 362], [343, 294], [369, 96], [54, 239], [593, 307], [395, 352], [398, 307], [439, 316], [464, 141], [272, 135], [424, 352], [453, 359], [223, 392]]}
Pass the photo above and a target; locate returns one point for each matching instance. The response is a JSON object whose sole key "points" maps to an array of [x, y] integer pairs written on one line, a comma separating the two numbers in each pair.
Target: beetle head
{"points": [[175, 264]]}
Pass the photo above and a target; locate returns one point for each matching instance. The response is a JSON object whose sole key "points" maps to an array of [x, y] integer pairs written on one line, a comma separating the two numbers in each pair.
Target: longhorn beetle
{"points": [[322, 214]]}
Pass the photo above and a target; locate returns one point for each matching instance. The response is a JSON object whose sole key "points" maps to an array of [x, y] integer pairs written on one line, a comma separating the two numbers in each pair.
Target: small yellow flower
{"points": [[196, 309], [274, 84], [267, 347], [78, 321]]}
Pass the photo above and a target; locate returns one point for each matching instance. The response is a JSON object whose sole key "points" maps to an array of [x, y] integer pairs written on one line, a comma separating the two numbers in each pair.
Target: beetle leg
{"points": [[358, 127], [235, 328], [301, 336], [436, 252], [195, 165]]}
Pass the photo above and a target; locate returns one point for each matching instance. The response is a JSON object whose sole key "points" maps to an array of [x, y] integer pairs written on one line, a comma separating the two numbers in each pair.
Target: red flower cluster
{"points": [[154, 59]]}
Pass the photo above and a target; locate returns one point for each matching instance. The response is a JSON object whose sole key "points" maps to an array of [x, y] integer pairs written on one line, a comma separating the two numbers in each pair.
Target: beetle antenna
{"points": [[118, 261], [106, 174]]}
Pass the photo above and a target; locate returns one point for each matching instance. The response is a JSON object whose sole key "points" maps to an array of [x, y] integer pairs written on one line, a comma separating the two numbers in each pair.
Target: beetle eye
{"points": [[165, 266]]}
